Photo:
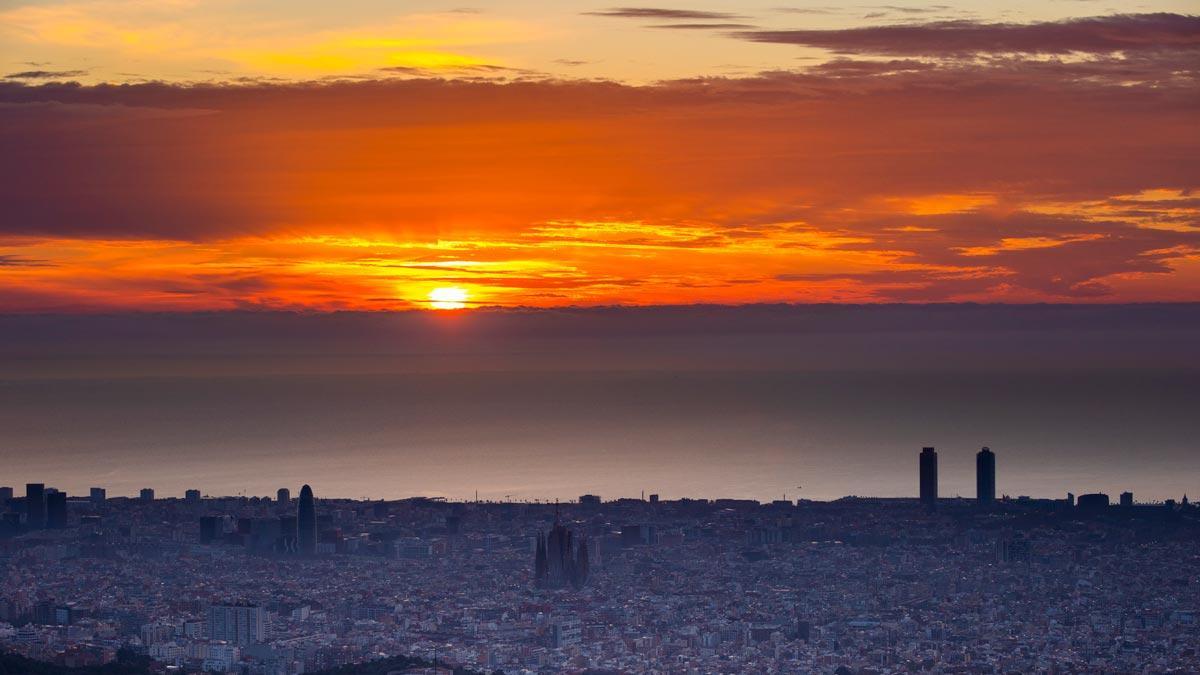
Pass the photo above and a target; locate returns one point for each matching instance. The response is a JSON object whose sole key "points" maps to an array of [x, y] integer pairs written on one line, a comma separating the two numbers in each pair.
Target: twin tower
{"points": [[985, 477]]}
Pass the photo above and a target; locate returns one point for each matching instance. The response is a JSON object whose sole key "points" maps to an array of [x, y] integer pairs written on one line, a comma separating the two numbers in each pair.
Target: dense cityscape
{"points": [[283, 585]]}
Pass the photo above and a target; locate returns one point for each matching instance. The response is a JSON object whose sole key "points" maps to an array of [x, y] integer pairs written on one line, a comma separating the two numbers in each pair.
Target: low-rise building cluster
{"points": [[684, 586]]}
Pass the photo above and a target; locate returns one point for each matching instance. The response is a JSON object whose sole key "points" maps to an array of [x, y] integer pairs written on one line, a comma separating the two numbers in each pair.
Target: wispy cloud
{"points": [[45, 74], [658, 13], [1107, 34]]}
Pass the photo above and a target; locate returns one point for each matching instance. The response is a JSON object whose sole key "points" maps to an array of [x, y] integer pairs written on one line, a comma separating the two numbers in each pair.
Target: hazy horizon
{"points": [[684, 402]]}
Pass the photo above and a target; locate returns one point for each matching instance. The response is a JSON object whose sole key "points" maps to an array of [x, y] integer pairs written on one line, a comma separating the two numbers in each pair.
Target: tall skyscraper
{"points": [[35, 505], [237, 624], [929, 478], [306, 522], [985, 477], [56, 510], [283, 496]]}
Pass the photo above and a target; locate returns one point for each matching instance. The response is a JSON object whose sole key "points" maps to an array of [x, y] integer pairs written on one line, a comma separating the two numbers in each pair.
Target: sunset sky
{"points": [[188, 155]]}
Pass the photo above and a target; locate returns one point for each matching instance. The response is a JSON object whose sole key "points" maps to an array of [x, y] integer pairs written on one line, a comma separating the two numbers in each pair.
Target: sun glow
{"points": [[451, 297]]}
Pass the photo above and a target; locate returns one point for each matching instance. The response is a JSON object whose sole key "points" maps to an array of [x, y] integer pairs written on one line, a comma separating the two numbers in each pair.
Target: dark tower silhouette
{"points": [[287, 535], [561, 559], [929, 488], [283, 496], [210, 529], [540, 569], [306, 523], [985, 477], [582, 567], [35, 505], [56, 510]]}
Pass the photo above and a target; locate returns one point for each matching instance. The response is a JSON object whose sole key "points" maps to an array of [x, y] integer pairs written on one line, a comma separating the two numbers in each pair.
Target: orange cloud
{"points": [[960, 182]]}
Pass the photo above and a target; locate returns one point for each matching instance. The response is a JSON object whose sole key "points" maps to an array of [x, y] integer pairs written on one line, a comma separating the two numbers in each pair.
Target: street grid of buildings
{"points": [[685, 586]]}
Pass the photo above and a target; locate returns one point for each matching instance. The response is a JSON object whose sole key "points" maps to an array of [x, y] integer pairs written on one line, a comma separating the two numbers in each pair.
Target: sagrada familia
{"points": [[561, 559]]}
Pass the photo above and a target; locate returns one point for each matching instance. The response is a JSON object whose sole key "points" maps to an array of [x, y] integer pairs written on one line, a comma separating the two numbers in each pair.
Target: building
{"points": [[589, 500], [6, 493], [192, 496], [98, 495], [306, 523], [211, 529], [287, 535], [565, 632], [35, 505], [1126, 499], [1096, 501], [220, 658], [51, 614], [560, 559], [929, 477], [56, 510], [238, 624], [147, 494], [639, 534], [985, 477], [283, 496]]}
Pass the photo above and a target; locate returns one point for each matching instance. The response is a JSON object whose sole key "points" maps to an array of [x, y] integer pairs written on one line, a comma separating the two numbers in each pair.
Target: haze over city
{"points": [[536, 337]]}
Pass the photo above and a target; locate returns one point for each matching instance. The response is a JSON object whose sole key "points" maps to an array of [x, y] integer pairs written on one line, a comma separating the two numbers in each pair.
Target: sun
{"points": [[451, 297]]}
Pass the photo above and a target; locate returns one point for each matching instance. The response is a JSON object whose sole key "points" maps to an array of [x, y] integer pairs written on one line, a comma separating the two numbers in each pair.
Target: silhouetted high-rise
{"points": [[287, 535], [283, 496], [929, 488], [985, 477], [306, 522], [56, 510], [35, 505]]}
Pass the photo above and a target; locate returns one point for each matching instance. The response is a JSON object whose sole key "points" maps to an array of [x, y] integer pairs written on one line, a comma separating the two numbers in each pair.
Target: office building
{"points": [[283, 496], [147, 494], [589, 500], [1126, 499], [192, 496], [56, 510], [238, 624], [306, 523], [566, 632], [6, 493], [35, 505], [929, 477], [98, 495], [985, 477]]}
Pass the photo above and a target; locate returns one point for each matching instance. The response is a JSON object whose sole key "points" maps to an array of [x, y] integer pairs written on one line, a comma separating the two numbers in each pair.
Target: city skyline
{"points": [[38, 495], [214, 584], [526, 337]]}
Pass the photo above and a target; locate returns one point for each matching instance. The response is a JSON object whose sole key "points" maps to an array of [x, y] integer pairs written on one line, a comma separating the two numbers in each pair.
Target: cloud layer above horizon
{"points": [[925, 158]]}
